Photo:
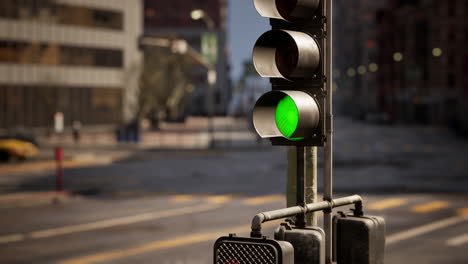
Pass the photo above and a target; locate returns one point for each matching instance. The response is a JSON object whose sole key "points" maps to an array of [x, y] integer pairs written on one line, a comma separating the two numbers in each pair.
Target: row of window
{"points": [[34, 106], [49, 11], [453, 7], [54, 54]]}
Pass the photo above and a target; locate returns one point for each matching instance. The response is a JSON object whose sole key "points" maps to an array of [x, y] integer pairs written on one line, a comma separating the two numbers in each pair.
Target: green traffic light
{"points": [[287, 117]]}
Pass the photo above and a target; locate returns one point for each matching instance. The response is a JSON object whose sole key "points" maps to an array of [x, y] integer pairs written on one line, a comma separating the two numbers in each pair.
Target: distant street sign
{"points": [[209, 47]]}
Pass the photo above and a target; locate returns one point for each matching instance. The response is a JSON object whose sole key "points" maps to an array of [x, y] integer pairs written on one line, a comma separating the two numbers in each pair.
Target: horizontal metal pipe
{"points": [[347, 200], [318, 206], [308, 208]]}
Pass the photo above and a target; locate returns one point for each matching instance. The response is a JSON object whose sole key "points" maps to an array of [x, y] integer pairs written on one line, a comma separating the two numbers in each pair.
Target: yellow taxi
{"points": [[16, 148]]}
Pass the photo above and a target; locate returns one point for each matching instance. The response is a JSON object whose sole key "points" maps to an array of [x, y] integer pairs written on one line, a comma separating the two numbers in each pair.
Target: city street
{"points": [[169, 206], [141, 131]]}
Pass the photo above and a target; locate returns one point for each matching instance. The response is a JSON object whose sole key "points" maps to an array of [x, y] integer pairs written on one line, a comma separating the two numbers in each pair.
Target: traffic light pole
{"points": [[300, 184], [302, 173], [328, 151]]}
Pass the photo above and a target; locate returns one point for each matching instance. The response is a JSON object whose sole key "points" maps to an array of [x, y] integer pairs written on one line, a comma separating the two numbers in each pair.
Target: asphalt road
{"points": [[163, 207], [182, 229]]}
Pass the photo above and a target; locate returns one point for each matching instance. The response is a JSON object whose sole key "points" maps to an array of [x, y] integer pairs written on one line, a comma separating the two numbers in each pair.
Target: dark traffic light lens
{"points": [[287, 56], [285, 8]]}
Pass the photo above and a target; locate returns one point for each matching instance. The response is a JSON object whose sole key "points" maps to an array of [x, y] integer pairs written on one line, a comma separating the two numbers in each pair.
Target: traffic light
{"points": [[292, 55], [239, 250]]}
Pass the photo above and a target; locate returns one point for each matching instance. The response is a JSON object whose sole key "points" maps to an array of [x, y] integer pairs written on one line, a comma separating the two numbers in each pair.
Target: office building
{"points": [[71, 56]]}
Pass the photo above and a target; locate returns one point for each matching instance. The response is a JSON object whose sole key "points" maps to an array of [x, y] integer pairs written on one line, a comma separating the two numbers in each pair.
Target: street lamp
{"points": [[198, 14]]}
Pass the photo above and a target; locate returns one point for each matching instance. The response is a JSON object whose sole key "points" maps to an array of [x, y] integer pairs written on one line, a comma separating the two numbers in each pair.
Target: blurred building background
{"points": [[394, 63], [248, 89], [70, 56], [403, 61], [207, 36]]}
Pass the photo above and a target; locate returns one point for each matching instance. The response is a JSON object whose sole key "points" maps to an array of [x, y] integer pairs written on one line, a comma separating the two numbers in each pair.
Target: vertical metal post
{"points": [[328, 151], [211, 106], [311, 182], [302, 163], [291, 183], [59, 168], [300, 184]]}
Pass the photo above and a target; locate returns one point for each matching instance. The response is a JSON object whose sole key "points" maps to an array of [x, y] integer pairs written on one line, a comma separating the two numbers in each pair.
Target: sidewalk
{"points": [[192, 134]]}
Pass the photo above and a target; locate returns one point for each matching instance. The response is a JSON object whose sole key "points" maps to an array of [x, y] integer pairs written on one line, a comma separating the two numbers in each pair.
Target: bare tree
{"points": [[164, 83]]}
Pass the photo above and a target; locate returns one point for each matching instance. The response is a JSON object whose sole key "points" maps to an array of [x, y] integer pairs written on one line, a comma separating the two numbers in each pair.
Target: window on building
{"points": [[451, 81], [451, 33], [451, 61], [54, 54], [451, 8], [48, 11]]}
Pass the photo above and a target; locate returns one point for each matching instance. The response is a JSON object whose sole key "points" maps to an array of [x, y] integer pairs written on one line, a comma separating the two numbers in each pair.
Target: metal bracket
{"points": [[261, 218]]}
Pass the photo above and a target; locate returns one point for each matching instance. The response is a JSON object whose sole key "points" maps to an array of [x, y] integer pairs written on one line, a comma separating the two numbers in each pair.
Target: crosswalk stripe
{"points": [[264, 199], [387, 204], [160, 245], [108, 223], [462, 211], [421, 230], [429, 207], [219, 199], [182, 197], [458, 241]]}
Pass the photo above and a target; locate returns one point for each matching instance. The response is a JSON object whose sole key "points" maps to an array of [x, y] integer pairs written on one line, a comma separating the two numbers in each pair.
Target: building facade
{"points": [[403, 59], [355, 49], [172, 19], [77, 57], [429, 85]]}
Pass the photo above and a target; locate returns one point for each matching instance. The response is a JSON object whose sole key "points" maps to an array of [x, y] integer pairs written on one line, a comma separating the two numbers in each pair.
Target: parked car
{"points": [[20, 147]]}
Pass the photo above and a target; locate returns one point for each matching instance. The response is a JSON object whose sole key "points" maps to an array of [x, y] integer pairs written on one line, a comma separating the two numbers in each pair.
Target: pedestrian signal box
{"points": [[239, 250]]}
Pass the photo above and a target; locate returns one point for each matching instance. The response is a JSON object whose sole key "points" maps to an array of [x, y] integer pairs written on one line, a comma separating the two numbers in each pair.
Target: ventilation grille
{"points": [[245, 253]]}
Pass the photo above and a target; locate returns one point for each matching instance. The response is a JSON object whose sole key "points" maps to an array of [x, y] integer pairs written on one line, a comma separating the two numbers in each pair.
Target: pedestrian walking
{"points": [[76, 126]]}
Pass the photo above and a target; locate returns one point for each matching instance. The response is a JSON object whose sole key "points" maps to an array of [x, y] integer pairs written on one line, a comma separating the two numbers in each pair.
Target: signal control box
{"points": [[358, 239], [308, 243], [241, 250]]}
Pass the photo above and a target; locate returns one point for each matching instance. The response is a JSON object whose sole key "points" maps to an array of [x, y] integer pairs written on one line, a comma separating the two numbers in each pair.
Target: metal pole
{"points": [[328, 151], [211, 114], [59, 168], [311, 182], [302, 163], [300, 184]]}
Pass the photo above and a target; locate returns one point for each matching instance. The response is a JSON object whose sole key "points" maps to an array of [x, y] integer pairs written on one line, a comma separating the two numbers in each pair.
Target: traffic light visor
{"points": [[288, 114], [288, 10], [286, 54]]}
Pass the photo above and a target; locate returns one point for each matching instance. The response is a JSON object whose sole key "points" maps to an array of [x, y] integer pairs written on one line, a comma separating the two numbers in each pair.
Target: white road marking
{"points": [[421, 230], [11, 238], [458, 241], [108, 223]]}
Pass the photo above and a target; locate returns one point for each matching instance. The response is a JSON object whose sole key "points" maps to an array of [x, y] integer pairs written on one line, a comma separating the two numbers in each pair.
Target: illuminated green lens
{"points": [[287, 117]]}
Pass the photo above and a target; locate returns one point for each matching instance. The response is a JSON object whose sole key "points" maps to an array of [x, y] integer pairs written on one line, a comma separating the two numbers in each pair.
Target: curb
{"points": [[50, 165], [28, 199]]}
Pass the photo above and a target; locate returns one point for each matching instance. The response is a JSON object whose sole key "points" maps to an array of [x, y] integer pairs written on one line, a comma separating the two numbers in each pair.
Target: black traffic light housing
{"points": [[292, 55]]}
